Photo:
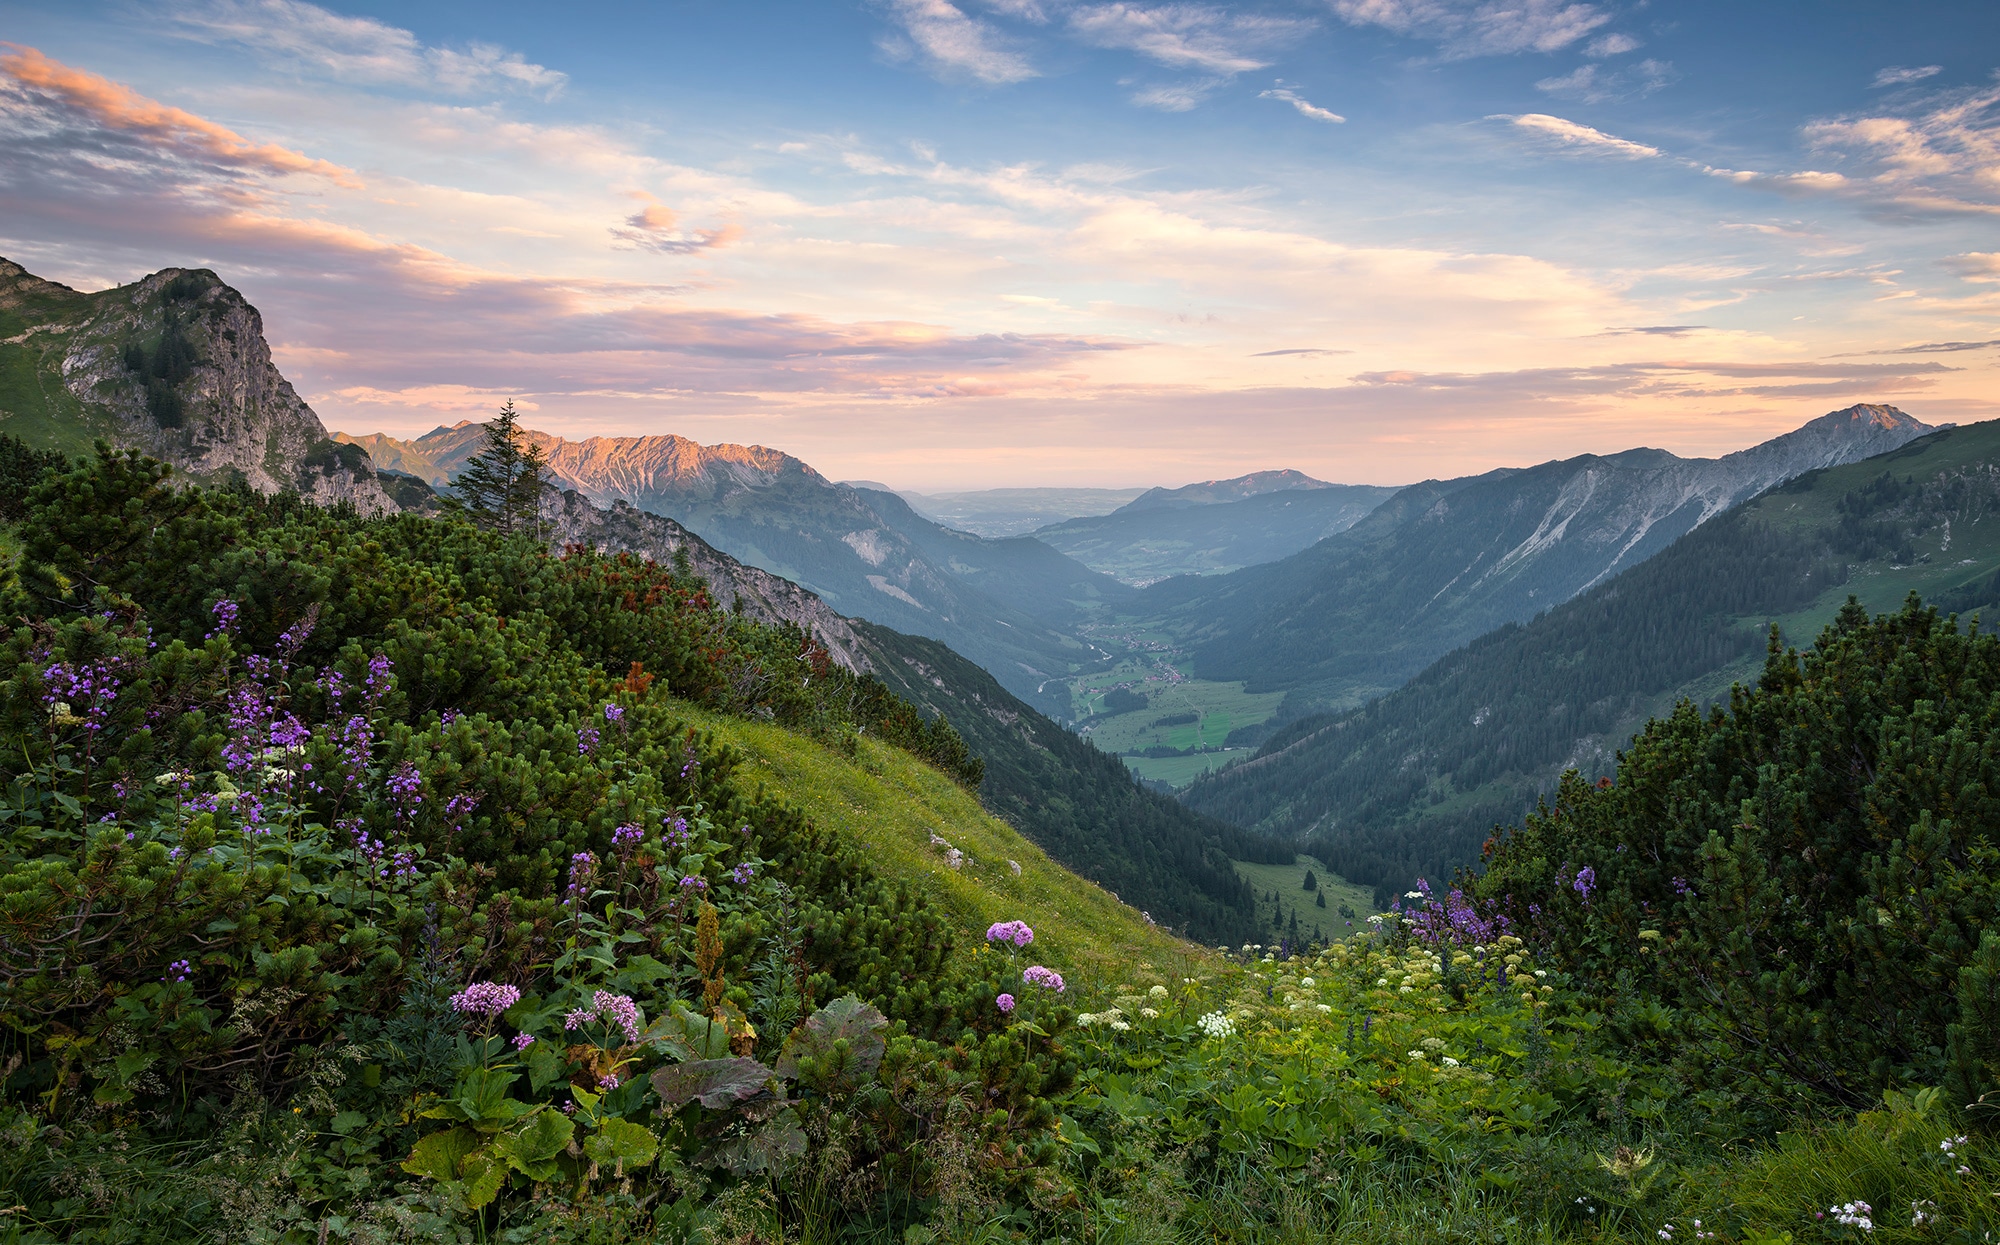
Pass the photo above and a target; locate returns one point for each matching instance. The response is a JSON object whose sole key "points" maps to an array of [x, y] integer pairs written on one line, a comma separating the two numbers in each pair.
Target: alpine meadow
{"points": [[999, 622]]}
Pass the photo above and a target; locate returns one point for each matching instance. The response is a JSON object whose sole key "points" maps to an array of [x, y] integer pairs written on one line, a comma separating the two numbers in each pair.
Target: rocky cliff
{"points": [[176, 365], [623, 528]]}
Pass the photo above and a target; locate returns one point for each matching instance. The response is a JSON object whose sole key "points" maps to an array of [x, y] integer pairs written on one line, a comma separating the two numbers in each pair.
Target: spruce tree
{"points": [[502, 485], [1319, 900], [1312, 883]]}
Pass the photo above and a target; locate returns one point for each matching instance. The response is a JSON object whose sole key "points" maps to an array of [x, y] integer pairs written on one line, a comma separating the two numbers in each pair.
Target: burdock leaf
{"points": [[714, 1083], [847, 1017]]}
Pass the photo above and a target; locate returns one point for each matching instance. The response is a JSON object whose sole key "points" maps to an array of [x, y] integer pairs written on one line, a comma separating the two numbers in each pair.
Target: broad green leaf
{"points": [[621, 1144], [438, 1155], [485, 1172], [533, 1146]]}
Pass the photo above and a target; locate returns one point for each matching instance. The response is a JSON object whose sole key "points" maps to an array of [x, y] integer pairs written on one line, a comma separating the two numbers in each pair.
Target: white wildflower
{"points": [[1149, 1013], [1308, 983], [1158, 992], [1015, 865], [1448, 1061], [1854, 1215], [1120, 1026], [1216, 1025]]}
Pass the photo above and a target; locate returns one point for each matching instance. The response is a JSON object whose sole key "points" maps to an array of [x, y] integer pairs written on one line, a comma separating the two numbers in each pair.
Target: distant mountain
{"points": [[1079, 805], [1210, 492], [1010, 511], [1144, 544], [1006, 604], [175, 365], [1443, 562], [1413, 783]]}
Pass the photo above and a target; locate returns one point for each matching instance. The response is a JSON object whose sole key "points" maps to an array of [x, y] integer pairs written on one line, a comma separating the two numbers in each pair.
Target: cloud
{"points": [[1594, 84], [1573, 134], [1175, 96], [1611, 45], [1655, 330], [1975, 265], [1938, 154], [955, 44], [1897, 75], [121, 109], [1184, 36], [1307, 351], [1941, 347], [1671, 379], [361, 49], [1468, 28], [656, 227], [1305, 108]]}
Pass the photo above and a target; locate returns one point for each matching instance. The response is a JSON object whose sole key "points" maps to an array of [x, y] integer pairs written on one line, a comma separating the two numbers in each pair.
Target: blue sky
{"points": [[951, 243]]}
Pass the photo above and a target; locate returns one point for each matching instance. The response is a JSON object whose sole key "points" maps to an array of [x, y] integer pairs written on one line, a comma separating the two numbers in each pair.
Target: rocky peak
{"points": [[176, 365]]}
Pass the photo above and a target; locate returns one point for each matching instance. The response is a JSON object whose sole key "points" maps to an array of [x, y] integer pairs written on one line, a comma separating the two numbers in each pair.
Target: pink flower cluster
{"points": [[613, 1009], [1046, 978], [1015, 932], [1005, 1002], [485, 998]]}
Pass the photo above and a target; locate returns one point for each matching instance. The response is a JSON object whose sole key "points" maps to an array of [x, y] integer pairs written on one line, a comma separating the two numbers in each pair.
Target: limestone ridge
{"points": [[175, 365], [624, 528]]}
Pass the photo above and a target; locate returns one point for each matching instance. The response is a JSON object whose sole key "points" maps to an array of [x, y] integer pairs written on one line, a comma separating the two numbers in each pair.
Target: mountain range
{"points": [[1411, 784], [1443, 562], [1441, 650]]}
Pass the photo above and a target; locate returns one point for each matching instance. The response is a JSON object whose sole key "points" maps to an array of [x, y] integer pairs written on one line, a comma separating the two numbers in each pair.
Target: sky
{"points": [[953, 244]]}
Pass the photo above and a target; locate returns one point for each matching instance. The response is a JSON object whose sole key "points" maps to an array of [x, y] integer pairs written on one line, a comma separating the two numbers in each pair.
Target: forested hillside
{"points": [[1079, 804], [1412, 784]]}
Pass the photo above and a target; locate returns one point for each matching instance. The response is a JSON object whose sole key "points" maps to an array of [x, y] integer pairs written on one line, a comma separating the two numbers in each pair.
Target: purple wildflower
{"points": [[607, 1082], [1046, 978], [1586, 882], [407, 785], [224, 613], [485, 998], [179, 970], [1681, 887], [1016, 933], [582, 873], [578, 1018], [743, 873], [676, 831], [694, 883], [1005, 1003], [614, 714], [523, 1041], [627, 837], [617, 1009], [586, 740]]}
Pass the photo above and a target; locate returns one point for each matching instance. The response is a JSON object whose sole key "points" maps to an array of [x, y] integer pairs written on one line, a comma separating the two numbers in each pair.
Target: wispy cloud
{"points": [[1574, 134], [122, 110], [361, 49], [1594, 84], [656, 227], [1307, 351], [954, 44], [1616, 44], [1176, 96], [1937, 154], [1185, 36], [1941, 347], [1898, 75], [1468, 28], [1305, 107]]}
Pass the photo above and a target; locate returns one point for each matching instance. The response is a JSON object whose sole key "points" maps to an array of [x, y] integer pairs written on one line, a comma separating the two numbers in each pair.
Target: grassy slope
{"points": [[1289, 882], [892, 803]]}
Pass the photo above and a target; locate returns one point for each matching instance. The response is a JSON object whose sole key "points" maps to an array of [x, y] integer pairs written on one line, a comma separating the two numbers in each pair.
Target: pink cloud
{"points": [[119, 107]]}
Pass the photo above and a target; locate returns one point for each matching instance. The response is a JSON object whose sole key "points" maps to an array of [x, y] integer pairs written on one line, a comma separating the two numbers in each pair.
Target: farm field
{"points": [[1178, 772]]}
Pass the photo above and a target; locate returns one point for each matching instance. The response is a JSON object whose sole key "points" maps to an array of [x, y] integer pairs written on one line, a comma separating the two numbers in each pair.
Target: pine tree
{"points": [[1319, 900], [1312, 883], [502, 485]]}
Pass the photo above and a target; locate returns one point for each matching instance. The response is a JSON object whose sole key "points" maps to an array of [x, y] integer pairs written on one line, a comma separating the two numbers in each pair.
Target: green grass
{"points": [[1289, 882], [892, 804], [1180, 771]]}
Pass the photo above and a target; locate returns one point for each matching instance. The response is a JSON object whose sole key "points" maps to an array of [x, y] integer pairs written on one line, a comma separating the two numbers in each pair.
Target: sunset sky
{"points": [[968, 243]]}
